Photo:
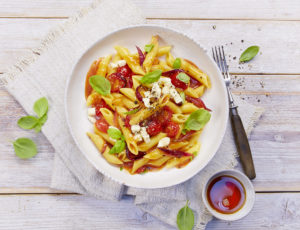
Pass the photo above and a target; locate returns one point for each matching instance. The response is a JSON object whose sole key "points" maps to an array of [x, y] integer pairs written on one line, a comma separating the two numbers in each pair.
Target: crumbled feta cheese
{"points": [[147, 94], [166, 90], [164, 80], [135, 128], [118, 64], [138, 137], [91, 111], [175, 95], [156, 90], [92, 119], [145, 135], [164, 142], [146, 101]]}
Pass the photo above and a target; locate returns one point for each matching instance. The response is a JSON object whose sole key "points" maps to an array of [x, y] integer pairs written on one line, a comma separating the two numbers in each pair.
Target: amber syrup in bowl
{"points": [[226, 194]]}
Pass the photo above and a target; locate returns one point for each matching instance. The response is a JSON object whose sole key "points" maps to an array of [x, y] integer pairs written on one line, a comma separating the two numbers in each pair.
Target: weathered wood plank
{"points": [[81, 212], [17, 36], [214, 9], [274, 141]]}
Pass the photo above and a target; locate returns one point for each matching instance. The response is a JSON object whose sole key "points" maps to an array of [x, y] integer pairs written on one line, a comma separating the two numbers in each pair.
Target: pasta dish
{"points": [[146, 108]]}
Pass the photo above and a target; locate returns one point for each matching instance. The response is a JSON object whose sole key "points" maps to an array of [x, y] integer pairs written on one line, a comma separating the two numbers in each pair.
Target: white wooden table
{"points": [[271, 80]]}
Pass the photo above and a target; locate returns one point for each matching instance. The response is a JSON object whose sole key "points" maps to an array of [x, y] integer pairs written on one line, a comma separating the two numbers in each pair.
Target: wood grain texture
{"points": [[193, 9], [81, 212], [18, 36]]}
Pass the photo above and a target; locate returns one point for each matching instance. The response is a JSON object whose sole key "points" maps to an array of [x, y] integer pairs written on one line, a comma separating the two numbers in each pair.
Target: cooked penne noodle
{"points": [[109, 100], [178, 145], [130, 93], [104, 136], [164, 66], [188, 108], [179, 118], [180, 131], [131, 143], [129, 104], [150, 57], [197, 92], [173, 107], [139, 163], [159, 162], [111, 158], [177, 161], [153, 142], [170, 59], [154, 154], [163, 50], [97, 140], [194, 149], [93, 99], [108, 115], [121, 111], [102, 69]]}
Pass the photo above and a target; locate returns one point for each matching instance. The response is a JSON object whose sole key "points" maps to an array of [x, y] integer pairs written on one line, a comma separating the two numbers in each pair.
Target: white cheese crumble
{"points": [[156, 90], [91, 111], [146, 101], [135, 128], [92, 119], [137, 137], [175, 95], [145, 135], [118, 64], [164, 142]]}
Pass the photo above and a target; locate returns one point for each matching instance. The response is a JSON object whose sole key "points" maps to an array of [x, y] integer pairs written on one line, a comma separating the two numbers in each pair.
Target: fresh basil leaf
{"points": [[249, 53], [118, 147], [43, 119], [151, 77], [25, 148], [149, 47], [121, 168], [183, 77], [100, 84], [40, 107], [177, 63], [182, 95], [132, 111], [197, 120], [114, 133], [185, 218], [27, 122]]}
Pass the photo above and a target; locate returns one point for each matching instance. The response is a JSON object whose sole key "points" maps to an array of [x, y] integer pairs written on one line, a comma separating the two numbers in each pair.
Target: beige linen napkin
{"points": [[44, 73]]}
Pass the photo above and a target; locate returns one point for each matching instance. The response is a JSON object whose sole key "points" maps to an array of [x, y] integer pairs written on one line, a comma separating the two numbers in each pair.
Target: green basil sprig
{"points": [[151, 77], [149, 47], [132, 111], [183, 77], [120, 144], [249, 53], [25, 148], [197, 120], [29, 122], [100, 84], [177, 63], [185, 218]]}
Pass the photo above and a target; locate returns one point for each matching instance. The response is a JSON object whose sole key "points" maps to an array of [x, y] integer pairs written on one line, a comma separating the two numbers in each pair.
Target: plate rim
{"points": [[89, 158]]}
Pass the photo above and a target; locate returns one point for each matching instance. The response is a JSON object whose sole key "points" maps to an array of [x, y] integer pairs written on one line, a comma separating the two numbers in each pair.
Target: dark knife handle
{"points": [[242, 143]]}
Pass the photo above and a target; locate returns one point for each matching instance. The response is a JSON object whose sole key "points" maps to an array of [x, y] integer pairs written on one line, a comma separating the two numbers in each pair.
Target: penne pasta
{"points": [[178, 145], [97, 140], [154, 154], [104, 136], [131, 143], [108, 115], [163, 50], [159, 162], [139, 163], [150, 57], [129, 93], [197, 92], [111, 158], [153, 142], [188, 108], [121, 111], [129, 104], [102, 69], [179, 118], [177, 161], [173, 107]]}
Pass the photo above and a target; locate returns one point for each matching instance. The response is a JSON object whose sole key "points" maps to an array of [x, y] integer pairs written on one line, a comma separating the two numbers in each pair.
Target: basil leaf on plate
{"points": [[27, 122], [185, 218], [177, 63], [100, 84], [40, 107], [183, 77], [132, 111], [149, 47], [25, 148], [151, 77], [197, 120], [249, 53], [114, 133], [118, 147]]}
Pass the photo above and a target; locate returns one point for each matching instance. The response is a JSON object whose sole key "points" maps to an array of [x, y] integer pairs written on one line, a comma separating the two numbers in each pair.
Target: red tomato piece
{"points": [[117, 81], [102, 125], [100, 105], [197, 102], [126, 122], [177, 83], [154, 128], [172, 129], [126, 72], [194, 83], [141, 169], [165, 115]]}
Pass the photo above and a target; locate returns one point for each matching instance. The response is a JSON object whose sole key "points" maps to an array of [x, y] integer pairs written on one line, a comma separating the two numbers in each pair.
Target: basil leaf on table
{"points": [[183, 77], [40, 107], [27, 122], [249, 53], [40, 123], [149, 47], [25, 148], [197, 120], [114, 133], [151, 77], [185, 218], [118, 147], [177, 63], [100, 84]]}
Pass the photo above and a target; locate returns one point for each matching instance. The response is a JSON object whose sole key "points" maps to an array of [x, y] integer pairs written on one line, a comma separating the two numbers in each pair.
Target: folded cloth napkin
{"points": [[44, 73]]}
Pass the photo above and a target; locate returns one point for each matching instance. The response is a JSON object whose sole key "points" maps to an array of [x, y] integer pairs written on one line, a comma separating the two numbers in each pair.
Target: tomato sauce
{"points": [[226, 194]]}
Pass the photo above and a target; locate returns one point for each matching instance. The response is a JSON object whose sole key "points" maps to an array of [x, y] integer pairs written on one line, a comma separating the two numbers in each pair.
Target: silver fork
{"points": [[239, 133]]}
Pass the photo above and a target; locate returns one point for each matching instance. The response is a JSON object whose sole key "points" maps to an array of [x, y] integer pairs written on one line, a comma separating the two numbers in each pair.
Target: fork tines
{"points": [[219, 57]]}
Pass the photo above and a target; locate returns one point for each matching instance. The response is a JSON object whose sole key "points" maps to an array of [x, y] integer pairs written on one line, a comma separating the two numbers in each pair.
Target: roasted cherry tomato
{"points": [[194, 83], [177, 83], [172, 129], [197, 102], [117, 81], [126, 122], [126, 72], [165, 115], [154, 128], [141, 169], [101, 104], [102, 125]]}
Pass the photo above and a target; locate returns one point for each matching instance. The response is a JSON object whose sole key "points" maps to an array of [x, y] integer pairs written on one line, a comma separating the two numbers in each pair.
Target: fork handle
{"points": [[242, 143]]}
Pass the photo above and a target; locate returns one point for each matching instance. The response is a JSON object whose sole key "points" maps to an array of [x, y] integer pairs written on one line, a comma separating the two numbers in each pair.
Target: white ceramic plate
{"points": [[215, 98]]}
